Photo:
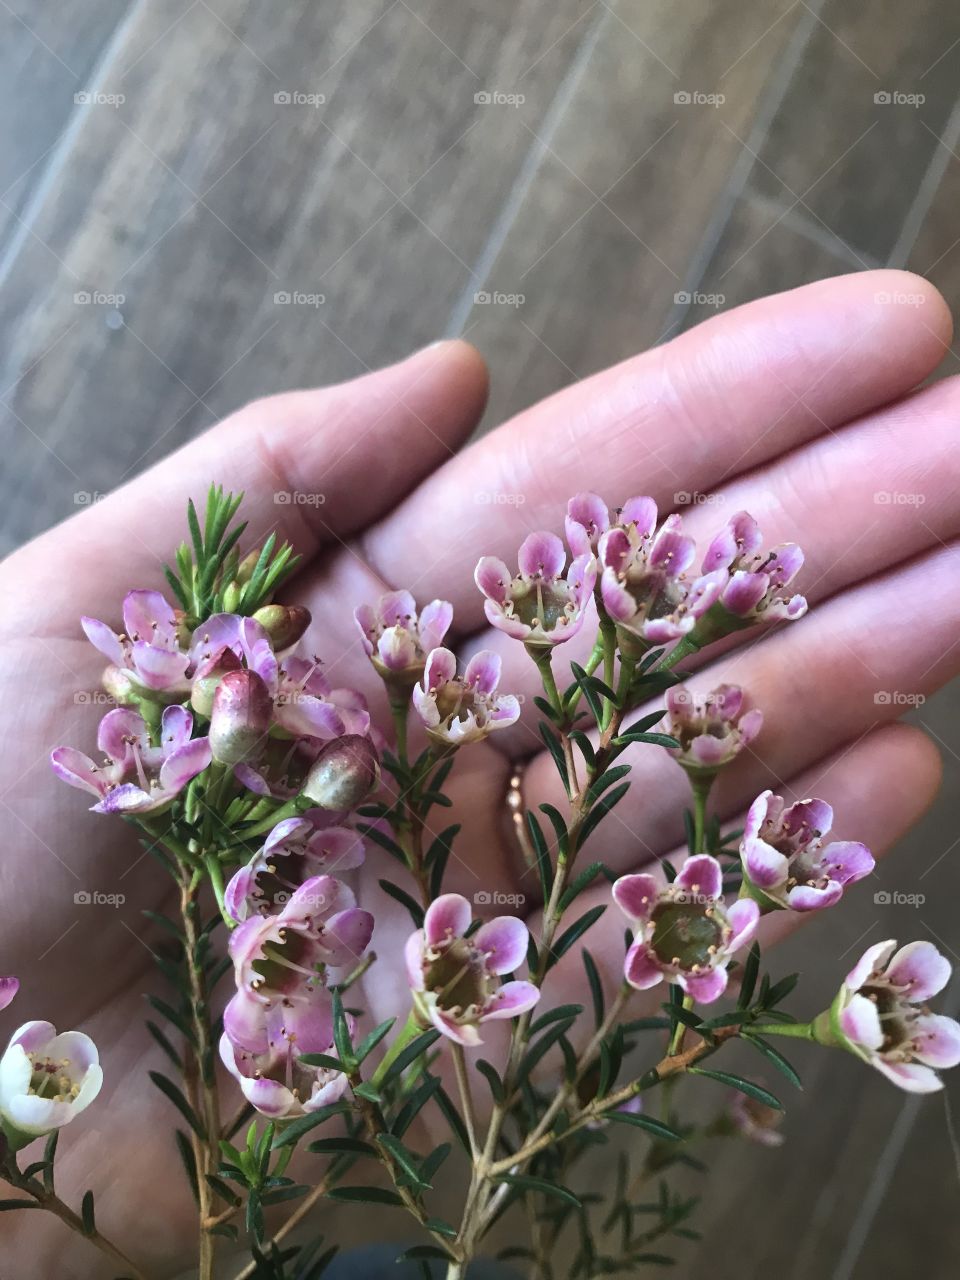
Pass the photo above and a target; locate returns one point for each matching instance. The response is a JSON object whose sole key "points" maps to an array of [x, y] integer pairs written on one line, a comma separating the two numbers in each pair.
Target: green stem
{"points": [[399, 711], [682, 650], [701, 785], [677, 1038], [411, 1029], [544, 660], [215, 872], [798, 1030], [289, 810]]}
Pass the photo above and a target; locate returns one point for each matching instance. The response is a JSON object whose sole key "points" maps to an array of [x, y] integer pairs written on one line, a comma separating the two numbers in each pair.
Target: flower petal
{"points": [[447, 917], [701, 875], [541, 555], [920, 970], [860, 1022], [936, 1040], [504, 942], [512, 999], [636, 895], [641, 967], [704, 987]]}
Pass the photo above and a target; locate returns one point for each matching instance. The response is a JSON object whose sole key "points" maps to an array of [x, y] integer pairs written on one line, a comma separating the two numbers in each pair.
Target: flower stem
{"points": [[410, 1031], [701, 785], [798, 1030]]}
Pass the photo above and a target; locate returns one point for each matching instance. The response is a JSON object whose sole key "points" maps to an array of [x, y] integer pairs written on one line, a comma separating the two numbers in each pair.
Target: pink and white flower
{"points": [[683, 932], [274, 1078], [880, 1014], [396, 638], [585, 523], [455, 978], [712, 728], [8, 990], [151, 649], [46, 1080], [541, 606], [757, 578], [307, 704], [456, 710], [786, 864], [755, 1121], [646, 585], [284, 959], [162, 771], [263, 885]]}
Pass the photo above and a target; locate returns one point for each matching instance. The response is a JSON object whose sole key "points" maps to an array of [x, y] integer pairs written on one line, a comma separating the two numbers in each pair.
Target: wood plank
{"points": [[48, 53], [626, 185], [201, 198], [832, 142]]}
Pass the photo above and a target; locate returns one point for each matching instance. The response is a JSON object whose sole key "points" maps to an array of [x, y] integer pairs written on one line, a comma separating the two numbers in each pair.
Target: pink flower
{"points": [[683, 931], [539, 606], [645, 585], [757, 577], [284, 959], [8, 990], [465, 709], [880, 1014], [712, 729], [261, 886], [123, 737], [586, 521], [307, 705], [46, 1080], [396, 639], [454, 978], [273, 1077], [786, 864], [755, 1121], [149, 650]]}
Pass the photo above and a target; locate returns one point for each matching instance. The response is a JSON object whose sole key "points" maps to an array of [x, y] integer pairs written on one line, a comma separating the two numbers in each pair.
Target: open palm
{"points": [[801, 408]]}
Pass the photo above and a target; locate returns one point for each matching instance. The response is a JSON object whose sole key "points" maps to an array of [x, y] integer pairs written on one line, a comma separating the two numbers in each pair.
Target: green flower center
{"points": [[686, 934], [458, 977]]}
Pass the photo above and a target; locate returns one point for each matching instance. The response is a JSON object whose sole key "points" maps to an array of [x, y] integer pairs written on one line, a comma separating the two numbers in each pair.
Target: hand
{"points": [[799, 407]]}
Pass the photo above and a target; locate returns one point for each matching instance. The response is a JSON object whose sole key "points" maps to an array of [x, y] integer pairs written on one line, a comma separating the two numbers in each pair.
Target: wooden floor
{"points": [[640, 163]]}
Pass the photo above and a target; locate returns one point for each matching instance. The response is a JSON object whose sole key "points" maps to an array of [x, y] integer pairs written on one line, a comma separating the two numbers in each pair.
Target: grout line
{"points": [[779, 83], [505, 219], [60, 152], [926, 191], [796, 220], [876, 1190]]}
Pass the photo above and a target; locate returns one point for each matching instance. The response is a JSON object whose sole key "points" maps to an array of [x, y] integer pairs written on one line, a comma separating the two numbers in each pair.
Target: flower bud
{"points": [[231, 597], [344, 774], [240, 718], [284, 624], [205, 687], [120, 687]]}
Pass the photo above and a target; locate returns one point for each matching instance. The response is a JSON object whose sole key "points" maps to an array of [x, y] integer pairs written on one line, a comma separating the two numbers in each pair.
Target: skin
{"points": [[799, 407]]}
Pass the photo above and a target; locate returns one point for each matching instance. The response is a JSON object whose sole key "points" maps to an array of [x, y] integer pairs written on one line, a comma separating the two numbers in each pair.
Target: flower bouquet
{"points": [[278, 812]]}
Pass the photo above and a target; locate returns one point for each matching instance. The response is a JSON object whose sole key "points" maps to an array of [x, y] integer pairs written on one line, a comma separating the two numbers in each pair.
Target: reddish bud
{"points": [[240, 718], [344, 774]]}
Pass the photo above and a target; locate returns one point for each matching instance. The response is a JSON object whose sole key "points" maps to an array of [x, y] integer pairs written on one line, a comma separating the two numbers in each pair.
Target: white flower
{"points": [[46, 1080]]}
